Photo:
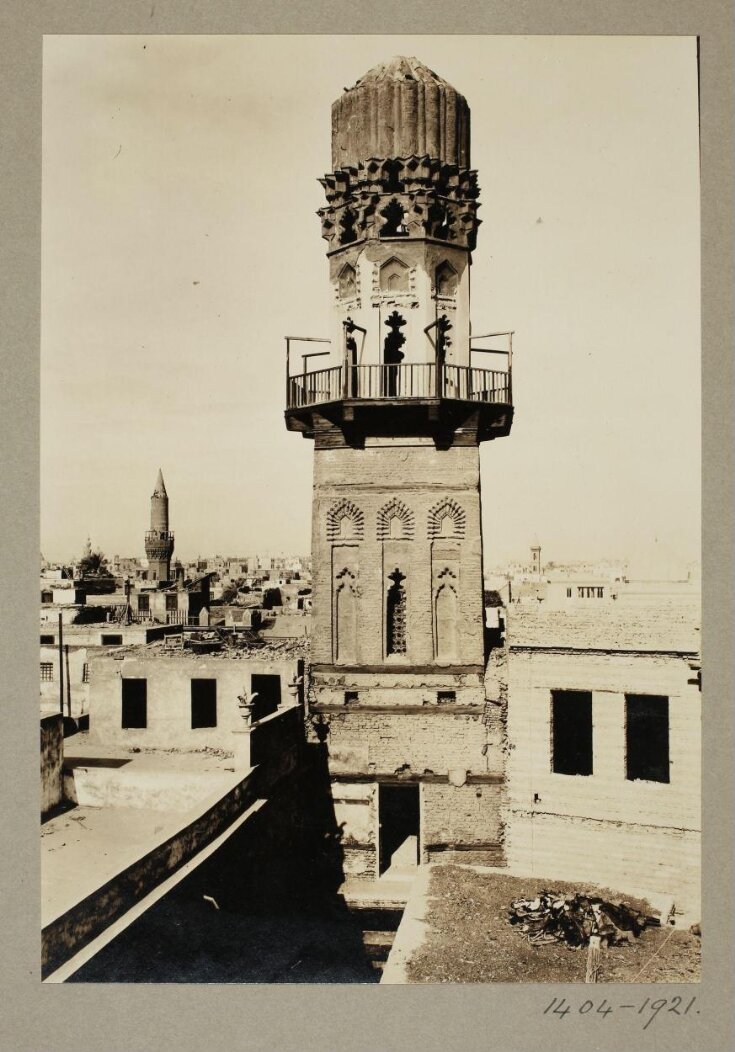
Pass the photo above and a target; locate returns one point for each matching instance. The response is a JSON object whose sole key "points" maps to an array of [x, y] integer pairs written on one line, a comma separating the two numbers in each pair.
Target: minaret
{"points": [[159, 541], [397, 408], [536, 560]]}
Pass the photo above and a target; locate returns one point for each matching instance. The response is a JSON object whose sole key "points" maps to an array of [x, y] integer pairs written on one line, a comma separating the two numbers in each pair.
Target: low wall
{"points": [[627, 857], [275, 744], [52, 758], [71, 931]]}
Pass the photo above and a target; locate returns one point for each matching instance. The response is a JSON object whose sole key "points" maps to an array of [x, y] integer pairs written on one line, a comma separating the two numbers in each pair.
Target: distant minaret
{"points": [[87, 549], [159, 541], [536, 560]]}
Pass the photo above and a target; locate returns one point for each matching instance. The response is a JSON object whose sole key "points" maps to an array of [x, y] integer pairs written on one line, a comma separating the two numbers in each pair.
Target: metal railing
{"points": [[412, 381]]}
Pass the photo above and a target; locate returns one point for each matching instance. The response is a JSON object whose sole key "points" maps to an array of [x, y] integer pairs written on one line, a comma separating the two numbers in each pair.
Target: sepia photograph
{"points": [[370, 456]]}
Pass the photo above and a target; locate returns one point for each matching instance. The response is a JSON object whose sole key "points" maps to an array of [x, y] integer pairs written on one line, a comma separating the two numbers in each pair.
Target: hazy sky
{"points": [[180, 245]]}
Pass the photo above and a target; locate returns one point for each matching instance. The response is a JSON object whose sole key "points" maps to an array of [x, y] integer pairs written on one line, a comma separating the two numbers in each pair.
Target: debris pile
{"points": [[573, 919]]}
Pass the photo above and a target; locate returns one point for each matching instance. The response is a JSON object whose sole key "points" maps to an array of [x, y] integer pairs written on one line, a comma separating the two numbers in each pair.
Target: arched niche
{"points": [[345, 521], [446, 628], [446, 279], [347, 282], [395, 521], [345, 618], [393, 276]]}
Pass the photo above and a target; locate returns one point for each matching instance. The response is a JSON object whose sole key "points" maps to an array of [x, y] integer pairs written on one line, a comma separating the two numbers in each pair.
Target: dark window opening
{"points": [[396, 615], [571, 731], [134, 703], [445, 697], [203, 703], [47, 671], [392, 176], [111, 639], [268, 689], [47, 640], [440, 222], [393, 214], [172, 603], [647, 738], [347, 222], [392, 353], [144, 604], [398, 813], [47, 597], [350, 697]]}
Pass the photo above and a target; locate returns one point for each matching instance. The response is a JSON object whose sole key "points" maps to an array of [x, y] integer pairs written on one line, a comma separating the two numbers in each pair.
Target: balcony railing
{"points": [[154, 536], [387, 382]]}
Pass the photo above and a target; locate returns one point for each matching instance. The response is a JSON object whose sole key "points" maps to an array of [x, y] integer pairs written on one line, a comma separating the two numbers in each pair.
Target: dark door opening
{"points": [[398, 815], [268, 689], [134, 703]]}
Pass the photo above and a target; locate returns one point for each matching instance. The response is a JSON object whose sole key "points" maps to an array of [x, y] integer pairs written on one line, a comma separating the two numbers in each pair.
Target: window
{"points": [[85, 673], [396, 615], [134, 703], [268, 689], [47, 640], [172, 603], [446, 697], [571, 731], [47, 671], [47, 597], [203, 703], [350, 697], [646, 738], [144, 604], [111, 639], [394, 216]]}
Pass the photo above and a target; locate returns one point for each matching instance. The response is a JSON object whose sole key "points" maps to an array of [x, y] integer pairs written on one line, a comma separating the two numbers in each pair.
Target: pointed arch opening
{"points": [[347, 282], [395, 614], [395, 521], [446, 279], [345, 618], [345, 521], [393, 275], [446, 628], [447, 519]]}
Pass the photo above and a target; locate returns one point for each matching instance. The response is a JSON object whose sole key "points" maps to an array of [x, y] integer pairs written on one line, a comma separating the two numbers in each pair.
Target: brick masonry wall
{"points": [[418, 474], [451, 816], [603, 826], [466, 815], [362, 742]]}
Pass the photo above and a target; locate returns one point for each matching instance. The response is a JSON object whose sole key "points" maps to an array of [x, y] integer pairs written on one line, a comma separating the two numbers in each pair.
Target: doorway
{"points": [[398, 818]]}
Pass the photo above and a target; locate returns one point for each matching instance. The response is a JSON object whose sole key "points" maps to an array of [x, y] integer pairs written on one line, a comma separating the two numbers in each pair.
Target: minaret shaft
{"points": [[159, 541]]}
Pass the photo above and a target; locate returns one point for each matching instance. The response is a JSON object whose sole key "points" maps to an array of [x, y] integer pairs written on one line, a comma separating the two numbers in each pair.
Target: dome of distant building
{"points": [[400, 108]]}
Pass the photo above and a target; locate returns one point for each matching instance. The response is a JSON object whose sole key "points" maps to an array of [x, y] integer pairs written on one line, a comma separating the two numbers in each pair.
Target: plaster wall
{"points": [[603, 826], [169, 698], [52, 758]]}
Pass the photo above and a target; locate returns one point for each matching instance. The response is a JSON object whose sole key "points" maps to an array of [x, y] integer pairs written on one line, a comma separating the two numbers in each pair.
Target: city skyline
{"points": [[174, 221]]}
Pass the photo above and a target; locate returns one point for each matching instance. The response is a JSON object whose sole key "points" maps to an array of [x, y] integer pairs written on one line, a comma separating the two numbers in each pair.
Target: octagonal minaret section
{"points": [[159, 540], [401, 217], [400, 222]]}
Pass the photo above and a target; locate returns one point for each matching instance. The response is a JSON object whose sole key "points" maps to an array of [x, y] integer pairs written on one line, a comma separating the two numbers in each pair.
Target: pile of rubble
{"points": [[573, 919]]}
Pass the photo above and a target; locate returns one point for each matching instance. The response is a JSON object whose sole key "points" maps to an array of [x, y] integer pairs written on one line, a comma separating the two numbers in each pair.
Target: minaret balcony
{"points": [[159, 536], [348, 394]]}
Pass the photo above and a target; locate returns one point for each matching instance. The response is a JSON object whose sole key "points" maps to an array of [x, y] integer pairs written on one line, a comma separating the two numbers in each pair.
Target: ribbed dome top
{"points": [[400, 108]]}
